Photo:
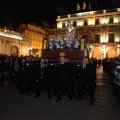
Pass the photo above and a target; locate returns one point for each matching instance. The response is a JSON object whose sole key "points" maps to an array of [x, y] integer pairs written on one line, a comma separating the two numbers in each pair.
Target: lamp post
{"points": [[30, 50], [103, 50]]}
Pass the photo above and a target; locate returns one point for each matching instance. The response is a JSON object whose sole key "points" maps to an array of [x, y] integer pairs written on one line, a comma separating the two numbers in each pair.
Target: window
{"points": [[97, 21], [85, 23], [63, 25], [74, 23], [97, 38], [111, 20], [111, 37]]}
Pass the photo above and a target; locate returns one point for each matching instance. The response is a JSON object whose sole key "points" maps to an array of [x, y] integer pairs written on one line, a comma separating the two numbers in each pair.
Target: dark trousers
{"points": [[63, 88], [81, 85]]}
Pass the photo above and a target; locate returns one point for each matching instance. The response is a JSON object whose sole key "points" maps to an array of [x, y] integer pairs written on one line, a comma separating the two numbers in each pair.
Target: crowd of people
{"points": [[33, 75], [111, 67], [58, 78]]}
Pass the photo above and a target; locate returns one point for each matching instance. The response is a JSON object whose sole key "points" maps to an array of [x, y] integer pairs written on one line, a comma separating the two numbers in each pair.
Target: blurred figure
{"points": [[1, 72], [99, 62], [6, 70], [85, 77], [62, 86], [21, 78]]}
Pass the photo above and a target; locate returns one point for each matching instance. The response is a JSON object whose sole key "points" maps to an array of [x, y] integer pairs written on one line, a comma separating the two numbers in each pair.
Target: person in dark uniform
{"points": [[1, 72], [85, 77], [99, 62], [94, 74], [29, 74], [32, 63], [52, 81], [62, 86], [21, 77], [71, 74], [40, 82]]}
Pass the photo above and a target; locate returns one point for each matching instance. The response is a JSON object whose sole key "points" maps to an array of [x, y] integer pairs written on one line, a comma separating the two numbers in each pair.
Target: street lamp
{"points": [[103, 50], [30, 50]]}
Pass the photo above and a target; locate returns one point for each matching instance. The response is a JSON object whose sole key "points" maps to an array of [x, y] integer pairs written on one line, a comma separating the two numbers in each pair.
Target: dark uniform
{"points": [[62, 86], [29, 75], [53, 78], [85, 77], [71, 82], [40, 78], [21, 79]]}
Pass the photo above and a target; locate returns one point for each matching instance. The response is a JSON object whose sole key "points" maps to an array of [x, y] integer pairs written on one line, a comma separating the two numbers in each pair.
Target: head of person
{"points": [[42, 60], [85, 61], [62, 59], [23, 60], [27, 58]]}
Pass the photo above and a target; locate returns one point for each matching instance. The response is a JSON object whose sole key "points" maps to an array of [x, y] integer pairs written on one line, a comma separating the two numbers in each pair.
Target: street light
{"points": [[30, 50], [103, 50]]}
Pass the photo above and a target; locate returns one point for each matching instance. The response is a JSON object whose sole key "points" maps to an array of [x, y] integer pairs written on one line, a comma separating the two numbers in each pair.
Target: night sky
{"points": [[15, 12]]}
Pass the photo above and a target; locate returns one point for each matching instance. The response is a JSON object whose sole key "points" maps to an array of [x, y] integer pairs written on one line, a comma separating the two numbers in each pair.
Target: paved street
{"points": [[16, 107]]}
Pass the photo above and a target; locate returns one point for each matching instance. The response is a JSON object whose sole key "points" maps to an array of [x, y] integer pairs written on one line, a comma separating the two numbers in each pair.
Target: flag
{"points": [[84, 5], [78, 7], [90, 6]]}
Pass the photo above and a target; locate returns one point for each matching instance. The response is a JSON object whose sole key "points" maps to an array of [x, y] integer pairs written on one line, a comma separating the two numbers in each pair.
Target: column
{"points": [[118, 50]]}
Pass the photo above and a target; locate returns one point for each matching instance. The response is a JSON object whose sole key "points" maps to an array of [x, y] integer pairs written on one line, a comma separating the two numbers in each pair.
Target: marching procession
{"points": [[58, 78]]}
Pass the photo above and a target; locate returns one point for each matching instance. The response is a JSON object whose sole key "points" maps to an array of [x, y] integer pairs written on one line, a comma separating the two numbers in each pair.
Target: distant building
{"points": [[36, 33], [13, 43], [100, 29]]}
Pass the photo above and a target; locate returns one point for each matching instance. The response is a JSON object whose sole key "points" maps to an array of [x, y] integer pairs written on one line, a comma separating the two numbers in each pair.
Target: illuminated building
{"points": [[36, 33], [13, 43], [99, 28]]}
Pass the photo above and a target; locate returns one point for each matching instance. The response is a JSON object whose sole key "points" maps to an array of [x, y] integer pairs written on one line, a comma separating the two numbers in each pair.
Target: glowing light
{"points": [[69, 15], [118, 45], [118, 9], [59, 25], [104, 11], [115, 20], [58, 17], [5, 34], [80, 23], [91, 13]]}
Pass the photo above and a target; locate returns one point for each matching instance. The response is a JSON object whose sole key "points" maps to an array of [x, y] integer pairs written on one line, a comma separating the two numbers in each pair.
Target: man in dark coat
{"points": [[62, 86], [42, 77], [20, 84], [29, 75], [85, 77]]}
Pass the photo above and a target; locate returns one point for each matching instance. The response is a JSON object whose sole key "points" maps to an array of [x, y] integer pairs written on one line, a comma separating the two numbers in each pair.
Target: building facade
{"points": [[36, 33], [13, 43], [101, 29]]}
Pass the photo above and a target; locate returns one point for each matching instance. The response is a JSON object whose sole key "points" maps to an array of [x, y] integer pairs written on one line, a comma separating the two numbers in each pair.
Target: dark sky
{"points": [[15, 12]]}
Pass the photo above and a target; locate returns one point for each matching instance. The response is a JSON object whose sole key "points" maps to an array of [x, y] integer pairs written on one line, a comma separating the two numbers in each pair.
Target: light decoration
{"points": [[118, 9], [115, 19], [69, 15], [5, 34], [104, 11]]}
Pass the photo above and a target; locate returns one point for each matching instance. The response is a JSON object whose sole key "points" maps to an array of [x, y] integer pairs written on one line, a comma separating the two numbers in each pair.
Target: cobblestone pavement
{"points": [[21, 107]]}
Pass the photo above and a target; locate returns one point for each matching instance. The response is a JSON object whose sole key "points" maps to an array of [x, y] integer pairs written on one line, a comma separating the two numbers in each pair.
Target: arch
{"points": [[13, 50], [97, 54], [111, 53]]}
